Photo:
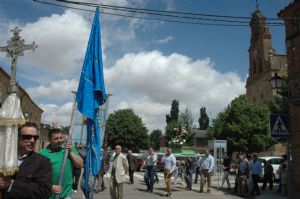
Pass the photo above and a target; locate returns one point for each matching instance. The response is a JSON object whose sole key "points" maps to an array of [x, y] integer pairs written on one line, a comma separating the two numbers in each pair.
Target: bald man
{"points": [[118, 169]]}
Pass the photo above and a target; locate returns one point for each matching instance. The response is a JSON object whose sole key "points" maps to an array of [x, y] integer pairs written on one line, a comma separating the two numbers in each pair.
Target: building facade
{"points": [[200, 140], [31, 111], [291, 17], [263, 61]]}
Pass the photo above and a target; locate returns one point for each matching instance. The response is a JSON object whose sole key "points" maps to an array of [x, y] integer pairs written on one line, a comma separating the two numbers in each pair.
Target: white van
{"points": [[275, 162]]}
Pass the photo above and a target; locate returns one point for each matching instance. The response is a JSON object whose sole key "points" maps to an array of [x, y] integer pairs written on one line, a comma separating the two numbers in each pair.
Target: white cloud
{"points": [[57, 114], [146, 82], [151, 112], [56, 90], [170, 5], [158, 79], [164, 40], [61, 39]]}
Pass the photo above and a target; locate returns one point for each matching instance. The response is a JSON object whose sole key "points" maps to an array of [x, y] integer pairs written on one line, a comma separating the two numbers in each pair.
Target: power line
{"points": [[161, 11], [169, 13], [145, 18], [227, 23]]}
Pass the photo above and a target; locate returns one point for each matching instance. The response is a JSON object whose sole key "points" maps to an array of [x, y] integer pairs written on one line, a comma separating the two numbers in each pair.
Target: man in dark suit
{"points": [[132, 161], [34, 179]]}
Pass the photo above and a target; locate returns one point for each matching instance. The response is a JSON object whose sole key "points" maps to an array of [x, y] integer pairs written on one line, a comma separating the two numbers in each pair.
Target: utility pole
{"points": [[15, 48]]}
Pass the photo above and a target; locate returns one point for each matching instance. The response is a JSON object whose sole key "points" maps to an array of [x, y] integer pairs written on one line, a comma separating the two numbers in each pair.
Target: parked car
{"points": [[160, 165], [140, 160], [275, 162]]}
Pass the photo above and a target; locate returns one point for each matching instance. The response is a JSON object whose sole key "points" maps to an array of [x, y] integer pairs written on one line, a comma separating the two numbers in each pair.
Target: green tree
{"points": [[172, 121], [171, 131], [174, 113], [203, 120], [186, 119], [244, 126], [154, 138], [125, 128], [279, 105]]}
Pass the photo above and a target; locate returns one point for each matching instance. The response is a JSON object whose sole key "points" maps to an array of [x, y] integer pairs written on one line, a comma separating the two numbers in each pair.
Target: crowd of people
{"points": [[251, 170], [247, 171], [40, 173]]}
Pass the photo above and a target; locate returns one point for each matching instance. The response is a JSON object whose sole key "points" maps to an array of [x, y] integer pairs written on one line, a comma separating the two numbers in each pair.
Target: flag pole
{"points": [[63, 166]]}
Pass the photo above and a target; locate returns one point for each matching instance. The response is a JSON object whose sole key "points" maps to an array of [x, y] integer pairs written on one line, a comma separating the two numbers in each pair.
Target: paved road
{"points": [[138, 191]]}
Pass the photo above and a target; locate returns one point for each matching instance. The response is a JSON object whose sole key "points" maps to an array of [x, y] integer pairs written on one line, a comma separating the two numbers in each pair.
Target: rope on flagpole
{"points": [[63, 166]]}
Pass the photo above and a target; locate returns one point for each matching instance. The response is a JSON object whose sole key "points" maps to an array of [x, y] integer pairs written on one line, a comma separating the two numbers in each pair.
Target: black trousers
{"points": [[255, 188], [268, 178], [196, 175], [131, 173], [76, 174]]}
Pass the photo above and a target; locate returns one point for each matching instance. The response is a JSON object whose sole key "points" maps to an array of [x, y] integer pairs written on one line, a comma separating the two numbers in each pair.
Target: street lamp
{"points": [[276, 82]]}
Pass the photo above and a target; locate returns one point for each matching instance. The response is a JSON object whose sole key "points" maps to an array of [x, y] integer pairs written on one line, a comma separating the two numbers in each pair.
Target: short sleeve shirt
{"points": [[56, 159]]}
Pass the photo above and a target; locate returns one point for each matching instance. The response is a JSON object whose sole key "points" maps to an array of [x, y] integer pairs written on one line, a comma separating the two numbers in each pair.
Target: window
{"points": [[274, 161]]}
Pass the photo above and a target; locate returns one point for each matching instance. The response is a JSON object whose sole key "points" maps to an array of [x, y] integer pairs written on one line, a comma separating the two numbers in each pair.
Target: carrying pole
{"points": [[63, 166]]}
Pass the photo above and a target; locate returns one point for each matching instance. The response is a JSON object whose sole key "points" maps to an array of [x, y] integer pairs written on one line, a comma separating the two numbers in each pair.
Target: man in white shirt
{"points": [[206, 165], [170, 166], [150, 162]]}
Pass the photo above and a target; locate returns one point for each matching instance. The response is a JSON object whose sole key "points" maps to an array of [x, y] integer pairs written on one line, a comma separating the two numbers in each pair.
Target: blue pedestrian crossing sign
{"points": [[279, 125]]}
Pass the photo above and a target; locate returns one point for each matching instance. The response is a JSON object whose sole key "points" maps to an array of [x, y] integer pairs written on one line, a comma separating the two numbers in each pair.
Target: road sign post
{"points": [[280, 129], [279, 125]]}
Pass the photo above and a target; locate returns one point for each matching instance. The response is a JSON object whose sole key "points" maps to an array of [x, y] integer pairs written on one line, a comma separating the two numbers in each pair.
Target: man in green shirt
{"points": [[55, 152]]}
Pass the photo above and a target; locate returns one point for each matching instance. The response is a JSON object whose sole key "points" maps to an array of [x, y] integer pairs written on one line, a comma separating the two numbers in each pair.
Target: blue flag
{"points": [[90, 96]]}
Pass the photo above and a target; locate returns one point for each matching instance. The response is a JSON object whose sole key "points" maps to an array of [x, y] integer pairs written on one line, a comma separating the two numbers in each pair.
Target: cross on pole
{"points": [[257, 5], [15, 48]]}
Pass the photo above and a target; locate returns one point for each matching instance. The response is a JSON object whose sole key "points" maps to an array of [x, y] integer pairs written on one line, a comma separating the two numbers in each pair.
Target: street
{"points": [[138, 190]]}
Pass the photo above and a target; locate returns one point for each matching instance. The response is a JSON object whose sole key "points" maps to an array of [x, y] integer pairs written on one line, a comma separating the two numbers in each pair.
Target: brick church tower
{"points": [[263, 61]]}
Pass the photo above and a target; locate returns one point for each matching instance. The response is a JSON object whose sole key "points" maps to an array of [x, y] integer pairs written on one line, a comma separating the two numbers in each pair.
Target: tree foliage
{"points": [[244, 126], [176, 121], [125, 128], [174, 113], [172, 121], [186, 119], [154, 138], [171, 131], [203, 120], [280, 104]]}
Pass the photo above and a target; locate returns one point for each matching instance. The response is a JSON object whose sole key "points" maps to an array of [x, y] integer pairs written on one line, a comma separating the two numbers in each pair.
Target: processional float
{"points": [[11, 115]]}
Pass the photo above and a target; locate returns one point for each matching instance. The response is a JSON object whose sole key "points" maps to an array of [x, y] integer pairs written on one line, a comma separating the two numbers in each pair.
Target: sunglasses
{"points": [[29, 137]]}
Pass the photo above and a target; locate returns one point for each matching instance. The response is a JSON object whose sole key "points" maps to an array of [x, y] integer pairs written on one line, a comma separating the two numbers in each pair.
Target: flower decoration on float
{"points": [[180, 139]]}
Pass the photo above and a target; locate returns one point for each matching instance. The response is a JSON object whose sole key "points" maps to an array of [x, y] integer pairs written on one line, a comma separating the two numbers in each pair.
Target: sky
{"points": [[147, 63]]}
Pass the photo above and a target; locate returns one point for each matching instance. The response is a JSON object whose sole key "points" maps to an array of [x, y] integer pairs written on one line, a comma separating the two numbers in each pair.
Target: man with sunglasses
{"points": [[55, 152], [34, 178]]}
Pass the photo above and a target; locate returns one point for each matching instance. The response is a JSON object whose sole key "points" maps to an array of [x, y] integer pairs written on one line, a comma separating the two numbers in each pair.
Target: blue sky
{"points": [[147, 63]]}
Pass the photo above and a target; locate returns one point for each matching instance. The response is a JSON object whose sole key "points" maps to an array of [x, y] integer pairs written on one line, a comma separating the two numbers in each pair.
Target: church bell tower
{"points": [[263, 61]]}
